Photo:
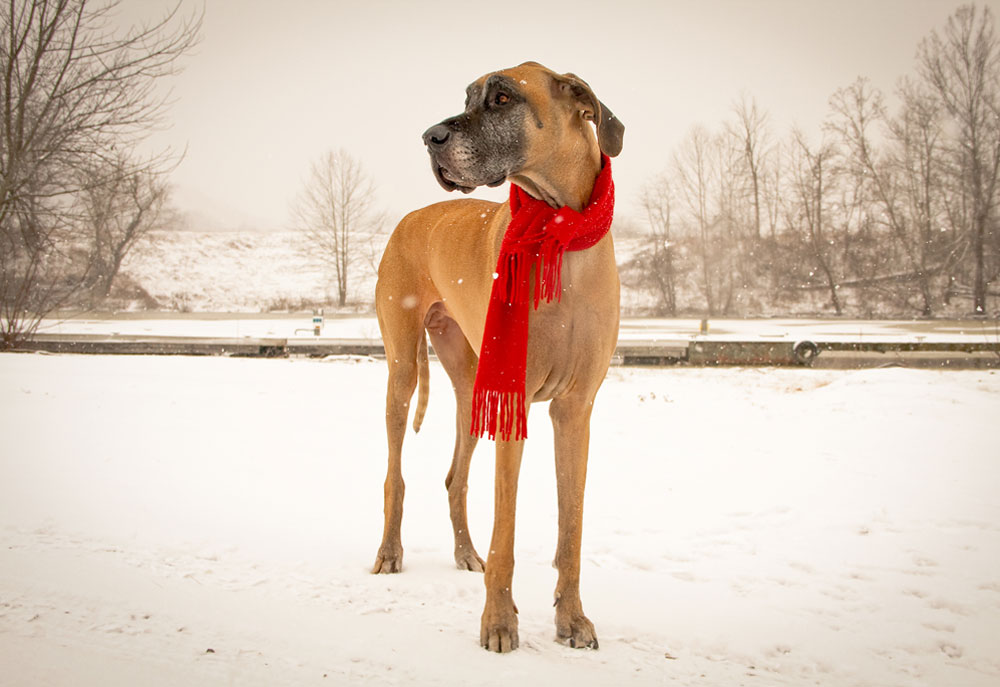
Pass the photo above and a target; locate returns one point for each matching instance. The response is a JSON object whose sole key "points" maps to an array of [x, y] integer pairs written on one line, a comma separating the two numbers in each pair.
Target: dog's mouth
{"points": [[453, 182], [449, 181]]}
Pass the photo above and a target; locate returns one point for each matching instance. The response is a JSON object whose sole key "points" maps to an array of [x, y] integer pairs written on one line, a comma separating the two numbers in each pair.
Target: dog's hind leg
{"points": [[459, 361], [403, 336]]}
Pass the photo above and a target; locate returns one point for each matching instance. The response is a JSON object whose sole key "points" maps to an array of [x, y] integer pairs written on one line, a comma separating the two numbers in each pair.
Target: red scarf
{"points": [[536, 237]]}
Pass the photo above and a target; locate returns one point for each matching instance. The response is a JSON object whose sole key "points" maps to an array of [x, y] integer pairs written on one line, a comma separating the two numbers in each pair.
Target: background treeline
{"points": [[892, 210], [77, 99]]}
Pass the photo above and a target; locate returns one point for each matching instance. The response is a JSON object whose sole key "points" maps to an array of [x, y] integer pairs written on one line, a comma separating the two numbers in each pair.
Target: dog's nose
{"points": [[437, 135]]}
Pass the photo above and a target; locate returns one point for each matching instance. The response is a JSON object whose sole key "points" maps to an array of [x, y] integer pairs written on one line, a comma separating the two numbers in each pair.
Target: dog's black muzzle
{"points": [[440, 141]]}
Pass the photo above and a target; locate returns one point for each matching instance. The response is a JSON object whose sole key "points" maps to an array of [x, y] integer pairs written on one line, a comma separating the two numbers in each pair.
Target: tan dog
{"points": [[531, 126]]}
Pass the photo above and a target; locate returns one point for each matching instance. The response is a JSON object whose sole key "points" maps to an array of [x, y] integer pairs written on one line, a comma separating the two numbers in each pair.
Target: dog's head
{"points": [[513, 120]]}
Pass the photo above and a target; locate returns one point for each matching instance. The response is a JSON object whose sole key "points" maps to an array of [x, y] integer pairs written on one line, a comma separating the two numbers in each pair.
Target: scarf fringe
{"points": [[548, 277], [499, 413]]}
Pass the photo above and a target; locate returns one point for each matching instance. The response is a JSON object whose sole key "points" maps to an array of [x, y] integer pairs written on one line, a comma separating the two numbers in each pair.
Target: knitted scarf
{"points": [[535, 240]]}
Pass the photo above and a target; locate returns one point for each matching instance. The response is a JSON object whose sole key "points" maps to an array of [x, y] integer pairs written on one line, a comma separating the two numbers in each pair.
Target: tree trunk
{"points": [[979, 278]]}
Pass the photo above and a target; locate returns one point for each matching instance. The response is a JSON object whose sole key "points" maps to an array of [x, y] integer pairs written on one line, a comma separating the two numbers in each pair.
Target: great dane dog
{"points": [[535, 128]]}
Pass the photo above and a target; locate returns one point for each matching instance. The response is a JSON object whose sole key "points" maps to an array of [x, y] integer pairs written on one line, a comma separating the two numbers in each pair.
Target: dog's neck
{"points": [[564, 182]]}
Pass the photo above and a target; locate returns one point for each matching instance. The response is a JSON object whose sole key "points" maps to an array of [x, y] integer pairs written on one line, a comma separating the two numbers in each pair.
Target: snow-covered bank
{"points": [[208, 520], [300, 325], [248, 271]]}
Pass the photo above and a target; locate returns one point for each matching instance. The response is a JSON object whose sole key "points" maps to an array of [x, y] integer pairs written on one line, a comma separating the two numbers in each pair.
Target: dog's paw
{"points": [[388, 561], [576, 632], [469, 560], [498, 632]]}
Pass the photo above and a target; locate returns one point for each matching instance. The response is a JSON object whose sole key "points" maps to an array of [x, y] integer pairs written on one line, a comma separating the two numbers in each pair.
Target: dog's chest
{"points": [[579, 331]]}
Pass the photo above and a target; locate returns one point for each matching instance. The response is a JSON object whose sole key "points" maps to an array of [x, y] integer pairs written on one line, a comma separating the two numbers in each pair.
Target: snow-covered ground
{"points": [[206, 521]]}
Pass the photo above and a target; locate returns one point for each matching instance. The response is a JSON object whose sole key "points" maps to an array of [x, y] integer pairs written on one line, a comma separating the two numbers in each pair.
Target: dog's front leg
{"points": [[499, 625], [571, 427]]}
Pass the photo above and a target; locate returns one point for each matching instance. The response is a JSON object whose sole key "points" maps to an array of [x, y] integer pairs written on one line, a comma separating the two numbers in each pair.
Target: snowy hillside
{"points": [[234, 272], [255, 272]]}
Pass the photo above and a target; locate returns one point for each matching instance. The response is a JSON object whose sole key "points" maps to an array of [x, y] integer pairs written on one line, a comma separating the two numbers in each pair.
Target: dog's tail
{"points": [[423, 383]]}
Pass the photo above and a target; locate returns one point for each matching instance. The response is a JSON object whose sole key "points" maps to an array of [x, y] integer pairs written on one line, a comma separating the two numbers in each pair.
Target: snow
{"points": [[202, 521]]}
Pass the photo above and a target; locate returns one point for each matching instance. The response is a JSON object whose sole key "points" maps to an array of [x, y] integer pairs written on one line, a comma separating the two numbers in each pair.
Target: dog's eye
{"points": [[501, 98]]}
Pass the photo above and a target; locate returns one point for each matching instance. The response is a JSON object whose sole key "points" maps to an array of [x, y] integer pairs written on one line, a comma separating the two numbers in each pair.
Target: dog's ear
{"points": [[610, 130]]}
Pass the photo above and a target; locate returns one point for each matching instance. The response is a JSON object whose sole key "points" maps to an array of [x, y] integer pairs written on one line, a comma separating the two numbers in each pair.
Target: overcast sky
{"points": [[274, 84]]}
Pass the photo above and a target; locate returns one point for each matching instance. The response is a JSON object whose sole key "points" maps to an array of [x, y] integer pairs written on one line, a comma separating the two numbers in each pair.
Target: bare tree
{"points": [[884, 175], [698, 166], [750, 130], [660, 263], [72, 91], [811, 189], [736, 219], [772, 186], [962, 64], [336, 214], [121, 204], [917, 155]]}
